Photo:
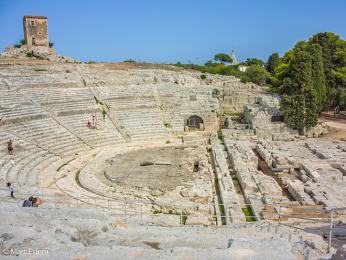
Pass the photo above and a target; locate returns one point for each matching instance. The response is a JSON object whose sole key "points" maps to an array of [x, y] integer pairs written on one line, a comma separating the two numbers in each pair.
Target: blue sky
{"points": [[169, 31]]}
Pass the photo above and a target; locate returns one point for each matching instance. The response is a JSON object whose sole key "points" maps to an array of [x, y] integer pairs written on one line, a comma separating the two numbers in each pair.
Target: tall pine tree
{"points": [[273, 62], [299, 103]]}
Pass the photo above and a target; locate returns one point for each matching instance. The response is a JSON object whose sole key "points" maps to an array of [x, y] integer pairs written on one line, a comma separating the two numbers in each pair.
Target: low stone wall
{"points": [[225, 183]]}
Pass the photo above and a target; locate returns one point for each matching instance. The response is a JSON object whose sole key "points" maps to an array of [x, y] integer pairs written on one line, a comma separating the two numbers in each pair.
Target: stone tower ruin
{"points": [[36, 31]]}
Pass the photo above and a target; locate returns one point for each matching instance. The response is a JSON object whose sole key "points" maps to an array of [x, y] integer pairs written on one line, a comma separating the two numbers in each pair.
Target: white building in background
{"points": [[242, 68]]}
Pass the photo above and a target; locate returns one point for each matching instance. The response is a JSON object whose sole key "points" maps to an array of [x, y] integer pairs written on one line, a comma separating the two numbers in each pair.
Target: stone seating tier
{"points": [[58, 95], [49, 135], [105, 134]]}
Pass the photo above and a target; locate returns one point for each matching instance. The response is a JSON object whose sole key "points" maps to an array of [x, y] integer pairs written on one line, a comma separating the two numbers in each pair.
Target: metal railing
{"points": [[131, 211], [140, 212], [329, 217]]}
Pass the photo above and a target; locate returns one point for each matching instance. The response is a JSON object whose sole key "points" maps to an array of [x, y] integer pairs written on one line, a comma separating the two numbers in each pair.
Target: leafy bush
{"points": [[51, 44], [20, 43], [216, 93], [104, 113], [256, 74], [203, 76]]}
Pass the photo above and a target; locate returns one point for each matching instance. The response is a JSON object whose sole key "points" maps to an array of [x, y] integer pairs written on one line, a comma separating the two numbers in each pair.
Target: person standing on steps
{"points": [[94, 121], [10, 147], [11, 189]]}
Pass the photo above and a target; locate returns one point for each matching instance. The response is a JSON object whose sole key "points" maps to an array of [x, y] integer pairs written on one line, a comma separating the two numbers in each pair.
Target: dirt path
{"points": [[337, 125]]}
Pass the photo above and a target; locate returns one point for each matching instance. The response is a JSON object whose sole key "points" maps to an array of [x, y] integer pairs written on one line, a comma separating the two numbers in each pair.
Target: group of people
{"points": [[30, 202], [93, 123]]}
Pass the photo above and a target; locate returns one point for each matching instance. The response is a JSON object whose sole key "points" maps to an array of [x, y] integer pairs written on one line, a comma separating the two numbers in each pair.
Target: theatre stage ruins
{"points": [[153, 161]]}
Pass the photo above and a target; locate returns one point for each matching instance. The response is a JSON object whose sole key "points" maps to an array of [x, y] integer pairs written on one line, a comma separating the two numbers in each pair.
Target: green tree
{"points": [[299, 103], [273, 62], [223, 57], [256, 74], [318, 79], [330, 84], [254, 61], [328, 42]]}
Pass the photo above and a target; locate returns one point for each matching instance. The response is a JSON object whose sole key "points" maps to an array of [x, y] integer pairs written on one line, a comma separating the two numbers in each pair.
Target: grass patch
{"points": [[235, 178], [249, 215], [40, 70], [104, 113], [240, 114], [61, 166], [30, 54], [168, 142], [222, 210], [183, 219]]}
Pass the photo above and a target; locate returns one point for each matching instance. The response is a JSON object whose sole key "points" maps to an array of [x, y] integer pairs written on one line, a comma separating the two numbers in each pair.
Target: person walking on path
{"points": [[10, 147], [11, 189]]}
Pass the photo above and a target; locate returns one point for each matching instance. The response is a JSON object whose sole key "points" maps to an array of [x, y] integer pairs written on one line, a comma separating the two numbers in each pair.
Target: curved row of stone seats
{"points": [[22, 112], [47, 134], [29, 75], [24, 171], [89, 181], [30, 173], [22, 150], [76, 107], [142, 123], [82, 186], [81, 195], [39, 81], [122, 91], [57, 95], [14, 107], [105, 134], [134, 102], [91, 187]]}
